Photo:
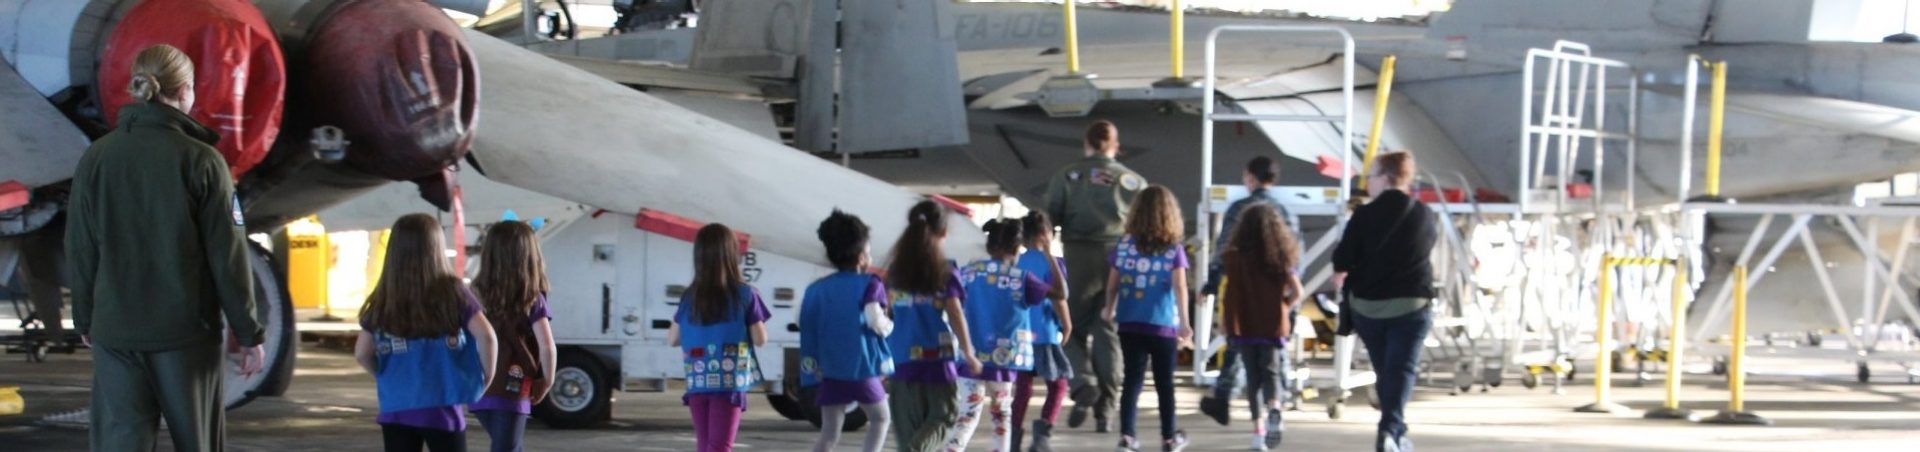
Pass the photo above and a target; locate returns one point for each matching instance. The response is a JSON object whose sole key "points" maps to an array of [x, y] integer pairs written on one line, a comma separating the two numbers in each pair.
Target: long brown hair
{"points": [[418, 294], [716, 273], [1154, 220], [1264, 242], [512, 272], [918, 265]]}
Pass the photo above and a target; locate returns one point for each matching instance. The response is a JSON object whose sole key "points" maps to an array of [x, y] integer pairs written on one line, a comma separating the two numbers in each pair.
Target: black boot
{"points": [[1042, 437], [1100, 424], [1215, 409], [1013, 438]]}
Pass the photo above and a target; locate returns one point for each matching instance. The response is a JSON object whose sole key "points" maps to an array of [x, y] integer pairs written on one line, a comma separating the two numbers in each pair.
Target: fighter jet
{"points": [[321, 101]]}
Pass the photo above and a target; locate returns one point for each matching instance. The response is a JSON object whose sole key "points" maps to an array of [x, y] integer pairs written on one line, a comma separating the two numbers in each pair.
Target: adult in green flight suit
{"points": [[157, 245], [1089, 199]]}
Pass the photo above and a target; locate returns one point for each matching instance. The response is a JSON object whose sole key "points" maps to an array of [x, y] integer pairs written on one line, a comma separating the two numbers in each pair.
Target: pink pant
{"points": [[716, 421]]}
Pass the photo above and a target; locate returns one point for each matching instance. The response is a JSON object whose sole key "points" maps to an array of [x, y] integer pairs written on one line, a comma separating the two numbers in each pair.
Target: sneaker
{"points": [[1276, 427], [1259, 442], [1176, 443], [1214, 408], [1127, 444]]}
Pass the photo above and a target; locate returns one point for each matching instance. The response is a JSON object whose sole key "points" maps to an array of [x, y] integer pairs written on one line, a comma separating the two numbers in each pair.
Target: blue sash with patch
{"points": [[427, 372], [718, 356], [835, 341], [1145, 291], [997, 314]]}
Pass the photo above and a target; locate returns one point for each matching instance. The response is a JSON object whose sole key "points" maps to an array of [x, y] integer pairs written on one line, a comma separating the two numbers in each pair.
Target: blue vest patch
{"points": [[835, 342], [920, 327], [1046, 328], [1145, 290], [718, 357], [427, 372], [997, 313]]}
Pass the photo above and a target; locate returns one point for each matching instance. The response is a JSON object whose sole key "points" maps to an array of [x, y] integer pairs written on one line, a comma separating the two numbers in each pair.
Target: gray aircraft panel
{"points": [[38, 145], [609, 146], [899, 86]]}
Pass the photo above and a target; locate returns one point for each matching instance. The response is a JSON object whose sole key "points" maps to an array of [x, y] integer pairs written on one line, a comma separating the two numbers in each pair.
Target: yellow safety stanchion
{"points": [[1675, 345], [1178, 39], [1603, 348], [1380, 95], [1736, 412], [1072, 29], [1716, 120]]}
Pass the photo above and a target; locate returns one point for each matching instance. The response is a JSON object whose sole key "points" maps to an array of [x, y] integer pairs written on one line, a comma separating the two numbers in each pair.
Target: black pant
{"points": [[400, 438], [508, 429], [1136, 350], [1394, 346]]}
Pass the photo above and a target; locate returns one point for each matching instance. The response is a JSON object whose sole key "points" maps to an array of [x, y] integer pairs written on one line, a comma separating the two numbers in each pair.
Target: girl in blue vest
{"points": [[929, 331], [1147, 298], [720, 320], [512, 284], [843, 336], [1051, 324], [1000, 295], [424, 339]]}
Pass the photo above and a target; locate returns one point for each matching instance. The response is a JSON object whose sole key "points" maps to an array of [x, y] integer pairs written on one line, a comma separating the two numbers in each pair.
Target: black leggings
{"points": [[1136, 350], [400, 438]]}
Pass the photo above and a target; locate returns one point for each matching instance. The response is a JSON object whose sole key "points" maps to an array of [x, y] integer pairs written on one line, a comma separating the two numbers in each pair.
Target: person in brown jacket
{"points": [[1260, 290]]}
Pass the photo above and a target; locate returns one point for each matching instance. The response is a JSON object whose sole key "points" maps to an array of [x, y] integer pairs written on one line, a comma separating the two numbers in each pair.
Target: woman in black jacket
{"points": [[1383, 260]]}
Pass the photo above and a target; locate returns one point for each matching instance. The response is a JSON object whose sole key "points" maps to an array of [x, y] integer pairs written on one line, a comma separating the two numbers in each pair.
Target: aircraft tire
{"points": [[582, 394]]}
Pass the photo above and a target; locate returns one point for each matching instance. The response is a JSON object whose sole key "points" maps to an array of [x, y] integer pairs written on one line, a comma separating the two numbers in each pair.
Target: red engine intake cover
{"points": [[239, 74], [397, 77]]}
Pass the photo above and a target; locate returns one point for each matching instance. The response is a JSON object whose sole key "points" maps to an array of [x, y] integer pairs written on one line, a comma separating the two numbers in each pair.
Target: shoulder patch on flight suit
{"points": [[1132, 182], [1073, 176], [1100, 176], [238, 219]]}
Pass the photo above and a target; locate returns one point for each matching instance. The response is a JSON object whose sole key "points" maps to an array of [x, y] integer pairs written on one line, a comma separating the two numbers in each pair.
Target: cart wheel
{"points": [[1862, 372], [38, 353], [1619, 362], [1333, 408], [1720, 366], [1372, 400], [1813, 339], [1531, 380]]}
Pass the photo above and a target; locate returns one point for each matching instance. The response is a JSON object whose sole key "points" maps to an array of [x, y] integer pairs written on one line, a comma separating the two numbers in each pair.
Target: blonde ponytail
{"points": [[159, 72]]}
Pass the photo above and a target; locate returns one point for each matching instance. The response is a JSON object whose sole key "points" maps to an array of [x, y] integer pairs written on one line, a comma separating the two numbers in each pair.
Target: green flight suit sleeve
{"points": [[223, 233], [83, 255], [1057, 198]]}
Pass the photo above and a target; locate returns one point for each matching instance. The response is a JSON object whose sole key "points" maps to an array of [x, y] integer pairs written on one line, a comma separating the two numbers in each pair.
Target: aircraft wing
{"points": [[38, 145], [1828, 113], [605, 145]]}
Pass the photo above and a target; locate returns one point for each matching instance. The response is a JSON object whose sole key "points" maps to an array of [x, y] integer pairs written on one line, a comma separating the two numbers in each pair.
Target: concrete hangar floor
{"points": [[1818, 407]]}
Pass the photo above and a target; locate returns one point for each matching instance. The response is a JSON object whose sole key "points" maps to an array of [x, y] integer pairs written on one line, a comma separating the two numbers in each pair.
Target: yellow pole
{"points": [[1073, 37], [1179, 39], [1676, 335], [1384, 89], [1736, 375], [1603, 363], [1736, 413], [1716, 119], [1675, 347]]}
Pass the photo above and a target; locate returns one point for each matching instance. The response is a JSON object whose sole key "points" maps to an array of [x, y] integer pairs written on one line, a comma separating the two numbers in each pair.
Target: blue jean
{"points": [[1136, 350], [1394, 346], [508, 429]]}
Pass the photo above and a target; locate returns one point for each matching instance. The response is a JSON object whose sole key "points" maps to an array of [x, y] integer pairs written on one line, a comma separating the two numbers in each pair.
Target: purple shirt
{"points": [[934, 372], [447, 418], [757, 313], [502, 403], [1179, 263]]}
